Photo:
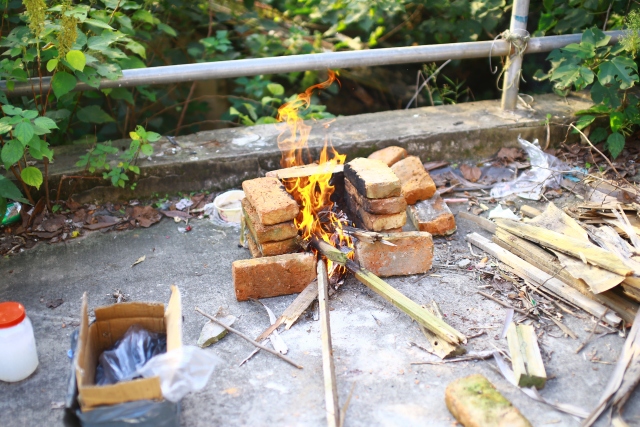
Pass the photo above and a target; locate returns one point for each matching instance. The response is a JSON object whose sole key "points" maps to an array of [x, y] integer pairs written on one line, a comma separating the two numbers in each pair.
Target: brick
{"points": [[253, 246], [432, 216], [389, 155], [413, 254], [270, 200], [390, 205], [374, 222], [415, 180], [475, 402], [278, 248], [266, 233], [372, 178], [272, 276]]}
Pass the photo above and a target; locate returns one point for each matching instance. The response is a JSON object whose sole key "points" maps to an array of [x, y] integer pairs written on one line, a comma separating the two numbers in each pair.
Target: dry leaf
{"points": [[471, 173], [139, 260]]}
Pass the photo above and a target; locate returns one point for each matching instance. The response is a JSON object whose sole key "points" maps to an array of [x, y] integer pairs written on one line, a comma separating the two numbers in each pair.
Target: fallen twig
{"points": [[593, 331], [246, 338], [481, 355]]}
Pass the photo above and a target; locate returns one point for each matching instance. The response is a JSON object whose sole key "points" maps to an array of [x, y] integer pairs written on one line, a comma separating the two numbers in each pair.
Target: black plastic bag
{"points": [[129, 354]]}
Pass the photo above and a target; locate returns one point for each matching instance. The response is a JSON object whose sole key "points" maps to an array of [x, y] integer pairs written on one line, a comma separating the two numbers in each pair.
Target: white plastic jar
{"points": [[18, 355]]}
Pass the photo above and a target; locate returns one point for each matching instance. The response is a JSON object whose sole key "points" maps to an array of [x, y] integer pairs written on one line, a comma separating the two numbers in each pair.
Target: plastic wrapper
{"points": [[181, 371], [128, 355], [545, 172]]}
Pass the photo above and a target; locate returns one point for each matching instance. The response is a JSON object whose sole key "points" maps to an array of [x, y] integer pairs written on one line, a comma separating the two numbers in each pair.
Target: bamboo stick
{"points": [[328, 368], [382, 288]]}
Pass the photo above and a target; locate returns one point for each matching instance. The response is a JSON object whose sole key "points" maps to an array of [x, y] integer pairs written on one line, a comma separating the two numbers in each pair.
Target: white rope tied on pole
{"points": [[518, 39]]}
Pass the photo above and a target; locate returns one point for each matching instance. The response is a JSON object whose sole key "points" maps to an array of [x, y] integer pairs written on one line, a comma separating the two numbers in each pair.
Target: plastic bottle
{"points": [[18, 355]]}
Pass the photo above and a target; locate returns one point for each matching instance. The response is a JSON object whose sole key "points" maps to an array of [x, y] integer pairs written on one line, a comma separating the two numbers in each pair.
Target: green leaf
{"points": [[5, 127], [89, 76], [275, 89], [153, 136], [45, 122], [94, 114], [97, 23], [618, 69], [143, 16], [233, 111], [167, 29], [595, 37], [52, 64], [10, 110], [12, 152], [615, 144], [607, 95], [76, 59], [616, 121], [62, 83], [10, 191], [598, 135], [32, 176], [146, 149], [137, 48], [122, 93], [266, 120], [24, 132], [252, 111], [582, 50], [584, 121], [29, 114]]}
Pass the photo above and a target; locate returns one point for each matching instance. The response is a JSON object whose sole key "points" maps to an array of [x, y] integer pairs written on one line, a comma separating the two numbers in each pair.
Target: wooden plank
{"points": [[484, 223], [539, 277], [305, 171], [570, 246], [525, 356], [548, 263], [328, 368], [440, 347]]}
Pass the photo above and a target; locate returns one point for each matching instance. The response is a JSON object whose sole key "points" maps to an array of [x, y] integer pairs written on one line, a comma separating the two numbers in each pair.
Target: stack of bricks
{"points": [[373, 194], [426, 209], [277, 268]]}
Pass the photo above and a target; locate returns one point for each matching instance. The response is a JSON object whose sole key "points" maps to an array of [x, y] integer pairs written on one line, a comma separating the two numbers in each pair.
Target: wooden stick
{"points": [[294, 311], [568, 245], [328, 369], [593, 331], [478, 220], [245, 337], [539, 277], [482, 355], [382, 288], [526, 360], [504, 304]]}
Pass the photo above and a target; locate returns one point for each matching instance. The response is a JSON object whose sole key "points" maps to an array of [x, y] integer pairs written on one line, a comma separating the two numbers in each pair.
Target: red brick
{"points": [[374, 222], [270, 200], [253, 246], [390, 205], [372, 178], [432, 216], [389, 155], [413, 254], [272, 276], [266, 233], [416, 182]]}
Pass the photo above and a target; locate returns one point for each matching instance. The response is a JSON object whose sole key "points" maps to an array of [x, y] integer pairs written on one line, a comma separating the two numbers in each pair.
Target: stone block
{"points": [[475, 402], [270, 200], [372, 178], [412, 254], [272, 276], [374, 222], [416, 182], [266, 233], [390, 205], [389, 155], [432, 216]]}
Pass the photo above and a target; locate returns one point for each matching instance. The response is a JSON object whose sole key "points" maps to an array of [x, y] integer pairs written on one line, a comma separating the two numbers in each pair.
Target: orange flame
{"points": [[312, 193]]}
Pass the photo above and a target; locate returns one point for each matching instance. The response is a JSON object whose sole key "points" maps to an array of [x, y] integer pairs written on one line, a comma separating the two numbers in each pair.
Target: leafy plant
{"points": [[610, 72]]}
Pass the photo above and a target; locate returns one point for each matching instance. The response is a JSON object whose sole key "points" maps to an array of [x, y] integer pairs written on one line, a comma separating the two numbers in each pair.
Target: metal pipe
{"points": [[517, 30], [318, 61]]}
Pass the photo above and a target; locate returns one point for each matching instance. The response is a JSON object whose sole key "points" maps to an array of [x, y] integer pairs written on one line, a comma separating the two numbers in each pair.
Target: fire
{"points": [[317, 217]]}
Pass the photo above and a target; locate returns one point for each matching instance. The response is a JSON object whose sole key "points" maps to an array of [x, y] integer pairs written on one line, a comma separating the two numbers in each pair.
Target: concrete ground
{"points": [[370, 336]]}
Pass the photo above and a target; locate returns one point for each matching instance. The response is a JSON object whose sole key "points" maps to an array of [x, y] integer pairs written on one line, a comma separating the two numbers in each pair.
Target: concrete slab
{"points": [[222, 159], [370, 337]]}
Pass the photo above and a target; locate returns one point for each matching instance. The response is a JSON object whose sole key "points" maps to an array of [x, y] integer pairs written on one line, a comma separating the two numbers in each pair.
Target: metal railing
{"points": [[332, 60]]}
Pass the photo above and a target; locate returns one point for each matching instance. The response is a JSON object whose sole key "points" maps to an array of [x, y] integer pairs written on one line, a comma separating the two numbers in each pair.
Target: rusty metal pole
{"points": [[518, 36]]}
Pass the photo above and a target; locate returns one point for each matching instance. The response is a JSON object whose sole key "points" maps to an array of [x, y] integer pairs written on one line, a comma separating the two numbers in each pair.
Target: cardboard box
{"points": [[110, 325]]}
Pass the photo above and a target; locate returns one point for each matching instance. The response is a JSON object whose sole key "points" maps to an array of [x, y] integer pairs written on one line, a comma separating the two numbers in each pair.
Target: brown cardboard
{"points": [[110, 325]]}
